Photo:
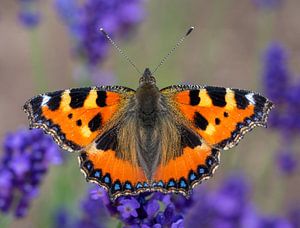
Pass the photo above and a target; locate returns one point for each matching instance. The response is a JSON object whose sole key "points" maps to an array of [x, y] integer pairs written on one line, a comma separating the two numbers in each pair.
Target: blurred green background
{"points": [[225, 49]]}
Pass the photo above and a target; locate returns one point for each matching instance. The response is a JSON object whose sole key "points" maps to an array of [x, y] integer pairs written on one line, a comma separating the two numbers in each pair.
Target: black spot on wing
{"points": [[200, 121], [78, 96], [78, 123], [240, 98], [95, 123], [194, 97], [54, 101], [101, 98], [108, 140], [217, 95], [217, 121], [189, 138]]}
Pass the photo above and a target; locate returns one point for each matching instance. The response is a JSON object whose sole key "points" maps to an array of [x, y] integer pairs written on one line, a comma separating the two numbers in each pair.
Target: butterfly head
{"points": [[147, 78]]}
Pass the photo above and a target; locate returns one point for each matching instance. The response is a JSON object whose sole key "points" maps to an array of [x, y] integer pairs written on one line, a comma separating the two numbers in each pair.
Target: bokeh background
{"points": [[56, 44]]}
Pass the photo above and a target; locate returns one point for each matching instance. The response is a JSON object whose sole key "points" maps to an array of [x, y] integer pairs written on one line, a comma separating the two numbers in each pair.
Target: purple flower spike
{"points": [[84, 21], [22, 207], [128, 207], [29, 19], [292, 111], [294, 214], [26, 159], [230, 206], [99, 193], [275, 222], [286, 96], [152, 207], [29, 16], [276, 74], [178, 224]]}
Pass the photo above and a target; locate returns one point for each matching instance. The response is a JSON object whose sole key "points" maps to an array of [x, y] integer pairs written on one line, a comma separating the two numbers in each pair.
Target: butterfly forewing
{"points": [[75, 117], [221, 116]]}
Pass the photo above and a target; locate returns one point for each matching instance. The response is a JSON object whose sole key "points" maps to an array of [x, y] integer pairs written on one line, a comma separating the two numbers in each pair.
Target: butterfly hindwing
{"points": [[102, 163], [221, 116], [75, 117], [196, 162]]}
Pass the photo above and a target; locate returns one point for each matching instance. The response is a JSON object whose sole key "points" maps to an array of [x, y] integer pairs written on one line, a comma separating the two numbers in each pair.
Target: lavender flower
{"points": [[224, 206], [148, 212], [144, 210], [26, 158], [275, 222], [286, 116], [29, 15], [94, 214], [276, 75], [292, 113], [84, 21], [294, 215], [279, 89], [229, 206], [128, 207]]}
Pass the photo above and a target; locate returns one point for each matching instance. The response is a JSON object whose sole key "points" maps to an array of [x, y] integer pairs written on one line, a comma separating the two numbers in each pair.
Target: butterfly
{"points": [[166, 140], [149, 139]]}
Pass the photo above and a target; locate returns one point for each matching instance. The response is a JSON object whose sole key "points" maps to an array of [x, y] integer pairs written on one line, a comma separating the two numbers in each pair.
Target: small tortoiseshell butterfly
{"points": [[166, 140]]}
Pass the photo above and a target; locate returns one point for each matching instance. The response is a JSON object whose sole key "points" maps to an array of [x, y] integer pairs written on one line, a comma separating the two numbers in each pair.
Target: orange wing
{"points": [[75, 117], [220, 116], [183, 173], [116, 175], [103, 163]]}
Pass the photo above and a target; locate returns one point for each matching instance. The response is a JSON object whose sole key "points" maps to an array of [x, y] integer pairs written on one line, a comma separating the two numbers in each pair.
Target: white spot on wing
{"points": [[45, 100], [250, 98]]}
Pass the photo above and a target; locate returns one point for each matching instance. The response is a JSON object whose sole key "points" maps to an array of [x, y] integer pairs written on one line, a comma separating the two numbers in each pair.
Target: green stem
{"points": [[119, 225], [5, 220], [38, 69]]}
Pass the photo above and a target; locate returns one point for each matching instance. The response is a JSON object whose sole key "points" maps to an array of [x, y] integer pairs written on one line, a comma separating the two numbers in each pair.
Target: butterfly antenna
{"points": [[120, 50], [174, 48]]}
